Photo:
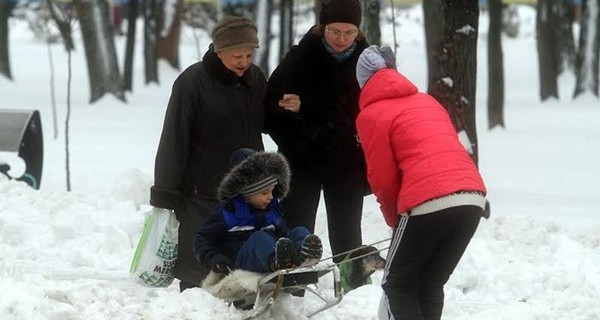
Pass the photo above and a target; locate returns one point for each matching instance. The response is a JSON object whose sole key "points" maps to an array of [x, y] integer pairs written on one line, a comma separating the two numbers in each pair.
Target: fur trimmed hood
{"points": [[248, 167]]}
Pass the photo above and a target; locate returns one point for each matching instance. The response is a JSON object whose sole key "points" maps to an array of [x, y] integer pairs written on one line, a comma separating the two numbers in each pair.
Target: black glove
{"points": [[220, 263]]}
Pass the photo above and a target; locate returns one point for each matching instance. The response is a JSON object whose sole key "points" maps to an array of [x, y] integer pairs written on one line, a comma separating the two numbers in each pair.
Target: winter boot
{"points": [[311, 250], [285, 254]]}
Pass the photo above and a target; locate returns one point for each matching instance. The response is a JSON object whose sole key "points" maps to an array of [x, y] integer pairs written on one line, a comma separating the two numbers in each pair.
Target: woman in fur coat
{"points": [[216, 106]]}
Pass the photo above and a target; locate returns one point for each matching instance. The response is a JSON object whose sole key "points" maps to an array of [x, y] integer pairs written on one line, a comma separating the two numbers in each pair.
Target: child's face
{"points": [[261, 199]]}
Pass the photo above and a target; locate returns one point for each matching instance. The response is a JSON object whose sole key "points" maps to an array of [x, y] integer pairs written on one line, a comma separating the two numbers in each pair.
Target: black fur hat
{"points": [[252, 171]]}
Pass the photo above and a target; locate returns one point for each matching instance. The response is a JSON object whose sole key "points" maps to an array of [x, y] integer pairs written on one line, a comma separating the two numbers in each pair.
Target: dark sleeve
{"points": [[173, 149], [284, 127], [209, 236]]}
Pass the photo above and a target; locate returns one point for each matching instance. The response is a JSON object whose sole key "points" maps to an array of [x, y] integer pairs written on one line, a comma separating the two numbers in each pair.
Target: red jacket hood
{"points": [[386, 84]]}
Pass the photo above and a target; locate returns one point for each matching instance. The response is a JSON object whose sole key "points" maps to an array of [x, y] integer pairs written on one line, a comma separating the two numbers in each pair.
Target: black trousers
{"points": [[343, 194], [424, 252], [191, 214]]}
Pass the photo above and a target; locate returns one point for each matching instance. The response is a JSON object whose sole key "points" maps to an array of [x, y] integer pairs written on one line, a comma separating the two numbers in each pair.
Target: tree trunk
{"points": [[286, 24], [565, 11], [495, 66], [151, 23], [168, 42], [586, 63], [4, 53], [432, 12], [132, 15], [548, 56], [101, 56], [370, 23], [454, 64], [263, 20]]}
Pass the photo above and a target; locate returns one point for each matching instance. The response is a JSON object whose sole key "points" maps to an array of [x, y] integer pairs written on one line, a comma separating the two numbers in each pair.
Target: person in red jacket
{"points": [[429, 188]]}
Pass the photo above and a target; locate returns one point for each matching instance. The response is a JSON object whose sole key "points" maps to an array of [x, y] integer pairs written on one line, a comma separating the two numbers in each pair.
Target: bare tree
{"points": [[168, 41], [151, 23], [101, 56], [132, 15], [63, 23], [548, 53], [495, 66], [4, 53], [286, 24], [370, 24], [452, 51], [263, 19], [586, 64]]}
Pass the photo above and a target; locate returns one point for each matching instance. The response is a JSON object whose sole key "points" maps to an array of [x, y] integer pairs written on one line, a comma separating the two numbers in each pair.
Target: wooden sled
{"points": [[292, 281]]}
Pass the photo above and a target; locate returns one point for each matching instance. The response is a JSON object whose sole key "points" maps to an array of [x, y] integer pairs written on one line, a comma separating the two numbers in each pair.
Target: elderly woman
{"points": [[216, 107], [311, 104]]}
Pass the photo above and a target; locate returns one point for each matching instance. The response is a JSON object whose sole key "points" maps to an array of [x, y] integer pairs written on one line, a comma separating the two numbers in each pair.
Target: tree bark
{"points": [[548, 56], [4, 52], [168, 42], [452, 51], [151, 23], [495, 66], [286, 24], [263, 14], [101, 56], [132, 15], [586, 63], [370, 23]]}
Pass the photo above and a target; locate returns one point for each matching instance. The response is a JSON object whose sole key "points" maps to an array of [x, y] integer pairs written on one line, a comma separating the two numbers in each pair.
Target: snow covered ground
{"points": [[66, 255]]}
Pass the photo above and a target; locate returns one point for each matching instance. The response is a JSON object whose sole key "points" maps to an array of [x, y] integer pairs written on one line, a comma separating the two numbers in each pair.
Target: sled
{"points": [[293, 281]]}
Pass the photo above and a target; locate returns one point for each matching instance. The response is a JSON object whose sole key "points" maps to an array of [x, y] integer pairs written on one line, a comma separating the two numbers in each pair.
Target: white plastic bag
{"points": [[156, 252]]}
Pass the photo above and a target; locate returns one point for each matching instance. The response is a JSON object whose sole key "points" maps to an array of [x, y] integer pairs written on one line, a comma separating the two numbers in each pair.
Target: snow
{"points": [[66, 255]]}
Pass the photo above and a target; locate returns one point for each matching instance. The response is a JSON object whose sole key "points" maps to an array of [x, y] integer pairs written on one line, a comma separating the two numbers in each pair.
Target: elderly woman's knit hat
{"points": [[235, 32], [253, 171], [348, 11]]}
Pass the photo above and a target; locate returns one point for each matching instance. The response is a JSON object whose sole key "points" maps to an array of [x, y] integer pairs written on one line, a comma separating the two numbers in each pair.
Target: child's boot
{"points": [[285, 254], [311, 251]]}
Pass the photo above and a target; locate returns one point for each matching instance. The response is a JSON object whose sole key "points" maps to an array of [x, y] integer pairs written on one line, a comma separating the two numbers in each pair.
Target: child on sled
{"points": [[247, 231]]}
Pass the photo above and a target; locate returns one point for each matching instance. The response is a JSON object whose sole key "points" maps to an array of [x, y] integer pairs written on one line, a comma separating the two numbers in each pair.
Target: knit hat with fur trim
{"points": [[348, 11], [253, 171], [235, 32]]}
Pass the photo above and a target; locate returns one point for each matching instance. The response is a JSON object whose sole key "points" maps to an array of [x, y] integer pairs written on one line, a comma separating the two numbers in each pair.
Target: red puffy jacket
{"points": [[412, 150]]}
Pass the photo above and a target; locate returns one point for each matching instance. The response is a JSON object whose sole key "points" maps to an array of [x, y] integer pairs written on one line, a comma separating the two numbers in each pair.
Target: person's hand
{"points": [[290, 102], [220, 264]]}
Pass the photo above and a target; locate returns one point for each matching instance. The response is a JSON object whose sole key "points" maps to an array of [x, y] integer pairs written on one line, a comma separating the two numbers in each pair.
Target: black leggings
{"points": [[424, 252], [343, 193]]}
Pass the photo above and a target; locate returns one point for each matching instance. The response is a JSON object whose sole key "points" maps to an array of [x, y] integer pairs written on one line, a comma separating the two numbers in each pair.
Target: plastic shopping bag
{"points": [[156, 252]]}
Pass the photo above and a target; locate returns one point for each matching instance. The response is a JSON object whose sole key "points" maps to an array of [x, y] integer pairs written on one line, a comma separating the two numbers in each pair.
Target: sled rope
{"points": [[350, 251]]}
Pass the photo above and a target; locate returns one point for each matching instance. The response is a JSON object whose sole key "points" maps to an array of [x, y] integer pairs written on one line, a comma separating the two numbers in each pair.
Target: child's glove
{"points": [[220, 263]]}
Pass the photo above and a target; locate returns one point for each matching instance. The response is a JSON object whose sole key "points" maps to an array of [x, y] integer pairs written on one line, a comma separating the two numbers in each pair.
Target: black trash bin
{"points": [[21, 133]]}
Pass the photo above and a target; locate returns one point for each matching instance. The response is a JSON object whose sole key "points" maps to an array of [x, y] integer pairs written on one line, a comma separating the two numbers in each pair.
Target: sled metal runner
{"points": [[295, 280]]}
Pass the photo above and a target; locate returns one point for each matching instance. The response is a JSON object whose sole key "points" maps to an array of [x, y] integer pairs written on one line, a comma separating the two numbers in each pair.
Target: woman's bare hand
{"points": [[290, 102]]}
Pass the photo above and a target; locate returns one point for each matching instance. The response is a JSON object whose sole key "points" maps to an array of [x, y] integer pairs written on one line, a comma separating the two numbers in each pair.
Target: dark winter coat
{"points": [[210, 114], [230, 224], [322, 134]]}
